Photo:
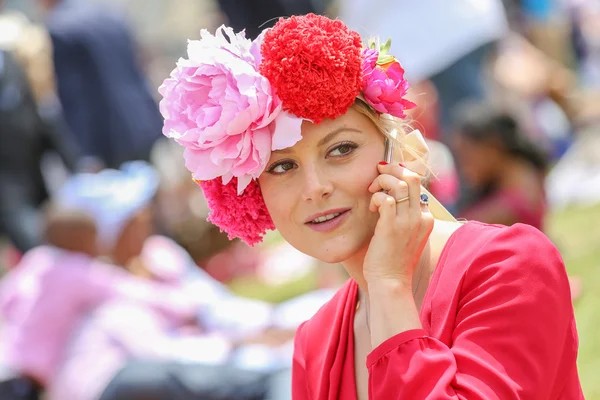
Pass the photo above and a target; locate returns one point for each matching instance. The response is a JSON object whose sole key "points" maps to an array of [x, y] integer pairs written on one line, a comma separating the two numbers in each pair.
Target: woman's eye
{"points": [[342, 149], [282, 167]]}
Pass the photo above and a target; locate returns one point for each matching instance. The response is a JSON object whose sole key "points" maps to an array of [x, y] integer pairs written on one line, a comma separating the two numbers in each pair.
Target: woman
{"points": [[502, 165], [288, 132], [506, 170]]}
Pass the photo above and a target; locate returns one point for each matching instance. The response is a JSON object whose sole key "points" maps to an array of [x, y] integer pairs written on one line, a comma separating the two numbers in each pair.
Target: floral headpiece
{"points": [[233, 101]]}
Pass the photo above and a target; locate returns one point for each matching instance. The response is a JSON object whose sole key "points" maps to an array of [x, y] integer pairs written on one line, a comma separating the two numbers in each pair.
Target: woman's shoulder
{"points": [[498, 272], [516, 253], [478, 237]]}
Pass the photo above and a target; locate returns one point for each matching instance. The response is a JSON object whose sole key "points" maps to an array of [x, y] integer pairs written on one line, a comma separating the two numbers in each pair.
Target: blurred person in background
{"points": [[26, 136], [506, 169], [254, 16], [106, 99], [549, 25], [503, 165], [585, 35], [539, 95], [31, 46], [70, 281], [37, 126], [126, 350]]}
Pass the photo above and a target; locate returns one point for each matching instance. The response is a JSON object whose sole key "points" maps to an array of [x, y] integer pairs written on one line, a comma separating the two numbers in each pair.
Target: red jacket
{"points": [[497, 322]]}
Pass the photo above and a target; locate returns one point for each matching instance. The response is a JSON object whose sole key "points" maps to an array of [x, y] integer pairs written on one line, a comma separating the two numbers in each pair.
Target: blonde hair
{"points": [[386, 124]]}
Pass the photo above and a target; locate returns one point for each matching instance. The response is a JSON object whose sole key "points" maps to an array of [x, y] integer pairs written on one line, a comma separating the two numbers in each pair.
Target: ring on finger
{"points": [[424, 199], [402, 199]]}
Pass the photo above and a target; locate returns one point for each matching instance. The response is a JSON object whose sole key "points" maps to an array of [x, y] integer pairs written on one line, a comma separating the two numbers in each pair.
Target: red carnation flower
{"points": [[244, 216], [314, 63]]}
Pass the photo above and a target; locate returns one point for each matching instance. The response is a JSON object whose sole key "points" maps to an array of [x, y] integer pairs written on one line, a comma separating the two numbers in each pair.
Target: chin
{"points": [[332, 257]]}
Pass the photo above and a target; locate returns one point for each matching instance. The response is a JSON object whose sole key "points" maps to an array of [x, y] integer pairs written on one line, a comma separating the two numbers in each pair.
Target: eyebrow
{"points": [[334, 133], [326, 139]]}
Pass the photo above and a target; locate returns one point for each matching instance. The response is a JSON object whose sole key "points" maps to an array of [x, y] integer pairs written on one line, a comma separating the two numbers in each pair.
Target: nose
{"points": [[316, 184]]}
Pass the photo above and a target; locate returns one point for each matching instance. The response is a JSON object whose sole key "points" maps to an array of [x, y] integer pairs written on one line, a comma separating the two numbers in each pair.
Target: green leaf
{"points": [[372, 43], [385, 48]]}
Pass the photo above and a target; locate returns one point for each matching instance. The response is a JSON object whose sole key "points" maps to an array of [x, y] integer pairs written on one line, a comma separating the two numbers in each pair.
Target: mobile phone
{"points": [[388, 150], [388, 153], [388, 147]]}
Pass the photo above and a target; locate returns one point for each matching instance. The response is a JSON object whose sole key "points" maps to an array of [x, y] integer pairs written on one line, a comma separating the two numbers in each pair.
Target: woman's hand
{"points": [[403, 228]]}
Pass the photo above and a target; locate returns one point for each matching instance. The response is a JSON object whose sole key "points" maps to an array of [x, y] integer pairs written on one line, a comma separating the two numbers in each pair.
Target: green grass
{"points": [[576, 232], [254, 289]]}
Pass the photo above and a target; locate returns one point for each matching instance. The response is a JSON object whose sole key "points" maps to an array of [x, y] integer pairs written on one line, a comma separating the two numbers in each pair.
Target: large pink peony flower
{"points": [[384, 86], [225, 114]]}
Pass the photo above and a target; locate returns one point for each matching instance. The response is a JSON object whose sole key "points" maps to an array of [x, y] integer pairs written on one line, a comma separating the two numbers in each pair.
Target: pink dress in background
{"points": [[515, 204], [45, 297]]}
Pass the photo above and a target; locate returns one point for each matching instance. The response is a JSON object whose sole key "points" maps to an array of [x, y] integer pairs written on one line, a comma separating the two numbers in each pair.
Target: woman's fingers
{"points": [[400, 183], [391, 185], [412, 180], [395, 188], [398, 242], [385, 205]]}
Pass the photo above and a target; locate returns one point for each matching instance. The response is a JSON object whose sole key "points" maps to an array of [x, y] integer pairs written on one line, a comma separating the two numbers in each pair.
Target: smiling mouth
{"points": [[326, 218]]}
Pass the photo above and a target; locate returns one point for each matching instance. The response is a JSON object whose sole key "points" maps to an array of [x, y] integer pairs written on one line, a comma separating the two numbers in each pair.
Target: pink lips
{"points": [[330, 225]]}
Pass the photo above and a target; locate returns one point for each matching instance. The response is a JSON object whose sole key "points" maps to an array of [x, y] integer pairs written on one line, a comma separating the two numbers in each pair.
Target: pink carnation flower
{"points": [[369, 62], [225, 114], [245, 217], [384, 86]]}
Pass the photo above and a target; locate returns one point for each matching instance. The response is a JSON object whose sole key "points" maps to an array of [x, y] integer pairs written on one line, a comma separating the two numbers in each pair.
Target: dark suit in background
{"points": [[256, 15], [25, 136], [107, 102]]}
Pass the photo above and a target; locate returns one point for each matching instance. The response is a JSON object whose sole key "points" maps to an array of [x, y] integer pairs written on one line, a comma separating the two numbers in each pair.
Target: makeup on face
{"points": [[329, 220]]}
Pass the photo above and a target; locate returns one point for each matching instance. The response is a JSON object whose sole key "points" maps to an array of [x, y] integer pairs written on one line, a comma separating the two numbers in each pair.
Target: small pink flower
{"points": [[225, 114], [369, 62], [384, 86]]}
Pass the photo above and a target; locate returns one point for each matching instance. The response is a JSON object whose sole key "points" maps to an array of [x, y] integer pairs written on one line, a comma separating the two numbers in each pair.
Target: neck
{"points": [[354, 268]]}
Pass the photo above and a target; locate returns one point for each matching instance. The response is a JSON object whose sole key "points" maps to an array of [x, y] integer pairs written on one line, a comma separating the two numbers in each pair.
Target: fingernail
{"points": [[402, 165], [383, 163]]}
